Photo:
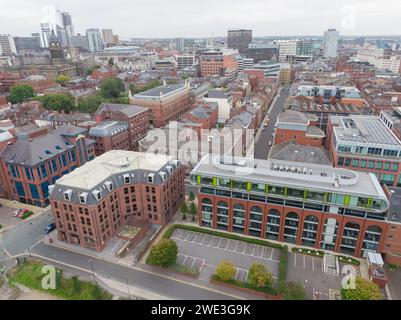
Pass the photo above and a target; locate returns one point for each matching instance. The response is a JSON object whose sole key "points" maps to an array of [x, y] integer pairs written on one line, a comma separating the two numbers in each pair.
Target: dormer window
{"points": [[150, 178], [83, 197], [169, 169], [163, 175], [67, 195], [127, 178], [97, 194], [176, 163], [109, 185]]}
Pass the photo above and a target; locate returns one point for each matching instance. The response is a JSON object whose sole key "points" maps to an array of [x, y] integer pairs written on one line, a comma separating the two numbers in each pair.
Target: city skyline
{"points": [[208, 19]]}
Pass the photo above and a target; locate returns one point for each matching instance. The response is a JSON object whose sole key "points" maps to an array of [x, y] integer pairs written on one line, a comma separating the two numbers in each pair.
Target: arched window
{"points": [[273, 224], [207, 212], [311, 224], [371, 239], [291, 227], [222, 215], [238, 218], [350, 238], [255, 223]]}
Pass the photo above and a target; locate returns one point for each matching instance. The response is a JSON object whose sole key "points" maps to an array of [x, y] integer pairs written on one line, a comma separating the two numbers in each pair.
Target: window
{"points": [[371, 164], [342, 148], [394, 167], [376, 151], [355, 163], [347, 162], [379, 165], [363, 164], [340, 161]]}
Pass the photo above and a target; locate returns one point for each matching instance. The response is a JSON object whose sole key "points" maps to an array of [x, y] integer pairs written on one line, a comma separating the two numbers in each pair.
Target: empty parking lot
{"points": [[204, 252]]}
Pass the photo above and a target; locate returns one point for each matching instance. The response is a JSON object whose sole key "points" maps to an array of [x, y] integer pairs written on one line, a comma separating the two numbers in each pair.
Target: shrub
{"points": [[26, 215], [364, 290], [163, 254], [294, 291], [259, 276], [226, 270]]}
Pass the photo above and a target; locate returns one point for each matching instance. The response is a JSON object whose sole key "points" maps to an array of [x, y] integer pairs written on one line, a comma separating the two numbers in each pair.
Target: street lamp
{"points": [[93, 273]]}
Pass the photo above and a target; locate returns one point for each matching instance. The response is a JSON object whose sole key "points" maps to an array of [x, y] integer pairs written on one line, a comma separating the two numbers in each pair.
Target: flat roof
{"points": [[161, 91], [285, 173], [363, 129]]}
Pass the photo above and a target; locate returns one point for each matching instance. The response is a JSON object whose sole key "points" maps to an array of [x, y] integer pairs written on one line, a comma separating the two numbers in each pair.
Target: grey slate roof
{"points": [[161, 91], [108, 128], [128, 109]]}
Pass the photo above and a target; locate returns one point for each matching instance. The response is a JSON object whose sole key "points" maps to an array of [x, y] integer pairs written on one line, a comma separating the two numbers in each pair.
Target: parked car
{"points": [[21, 212], [50, 228], [17, 212]]}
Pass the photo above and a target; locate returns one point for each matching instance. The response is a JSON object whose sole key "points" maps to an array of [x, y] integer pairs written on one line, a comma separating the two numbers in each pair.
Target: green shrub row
{"points": [[282, 269], [261, 242], [320, 253], [26, 215], [246, 285]]}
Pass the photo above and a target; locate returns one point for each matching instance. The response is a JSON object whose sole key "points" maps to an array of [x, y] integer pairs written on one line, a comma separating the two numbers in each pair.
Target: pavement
{"points": [[262, 148], [394, 284]]}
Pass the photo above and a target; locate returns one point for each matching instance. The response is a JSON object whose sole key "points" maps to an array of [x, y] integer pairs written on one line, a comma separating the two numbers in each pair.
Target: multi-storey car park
{"points": [[310, 205], [93, 203]]}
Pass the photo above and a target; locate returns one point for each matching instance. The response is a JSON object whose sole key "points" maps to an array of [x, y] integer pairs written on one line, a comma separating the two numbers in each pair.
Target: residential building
{"points": [[94, 40], [330, 43], [365, 143], [110, 135], [167, 102], [7, 45], [298, 203], [31, 166], [135, 116], [331, 94], [92, 204], [239, 39], [298, 127]]}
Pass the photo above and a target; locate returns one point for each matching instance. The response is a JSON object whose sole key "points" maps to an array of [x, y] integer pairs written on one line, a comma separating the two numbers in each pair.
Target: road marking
{"points": [[188, 236], [253, 252], [304, 261], [263, 252], [313, 263], [227, 245], [186, 257], [295, 259], [219, 242], [236, 245], [271, 255]]}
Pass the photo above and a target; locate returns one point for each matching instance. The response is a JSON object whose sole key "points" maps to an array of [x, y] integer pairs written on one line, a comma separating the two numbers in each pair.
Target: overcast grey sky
{"points": [[204, 18]]}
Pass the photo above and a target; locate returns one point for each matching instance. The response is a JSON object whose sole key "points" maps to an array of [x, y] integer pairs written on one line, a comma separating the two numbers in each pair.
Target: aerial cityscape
{"points": [[218, 157]]}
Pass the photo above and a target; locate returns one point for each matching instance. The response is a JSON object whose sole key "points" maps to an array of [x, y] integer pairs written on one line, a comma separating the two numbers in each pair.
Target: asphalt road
{"points": [[18, 239], [155, 283], [262, 146]]}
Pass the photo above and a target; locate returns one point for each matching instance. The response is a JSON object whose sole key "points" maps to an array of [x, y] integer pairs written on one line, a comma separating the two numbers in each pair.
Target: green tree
{"points": [[226, 270], [20, 93], [91, 69], [364, 290], [184, 209], [191, 196], [62, 79], [90, 104], [259, 276], [164, 253], [111, 61], [152, 84], [294, 291], [112, 88], [59, 102], [192, 209]]}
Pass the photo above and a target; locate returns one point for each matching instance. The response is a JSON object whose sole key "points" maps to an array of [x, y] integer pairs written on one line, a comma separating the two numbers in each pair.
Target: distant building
{"points": [[167, 102], [94, 39], [286, 48], [66, 22], [259, 52], [80, 42], [239, 39], [331, 94], [185, 61], [330, 43], [27, 44], [7, 45], [92, 204], [33, 165], [179, 44], [211, 63], [108, 38]]}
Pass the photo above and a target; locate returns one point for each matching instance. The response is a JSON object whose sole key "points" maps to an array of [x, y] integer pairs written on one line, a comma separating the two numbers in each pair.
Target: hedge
{"points": [[26, 215], [282, 270], [246, 285], [261, 242]]}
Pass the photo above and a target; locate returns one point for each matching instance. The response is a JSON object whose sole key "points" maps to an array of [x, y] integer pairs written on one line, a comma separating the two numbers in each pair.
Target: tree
{"points": [[91, 69], [89, 104], [20, 93], [191, 196], [226, 270], [294, 291], [112, 88], [164, 253], [59, 102], [183, 209], [364, 290], [62, 79], [192, 209], [259, 276], [111, 61], [152, 84]]}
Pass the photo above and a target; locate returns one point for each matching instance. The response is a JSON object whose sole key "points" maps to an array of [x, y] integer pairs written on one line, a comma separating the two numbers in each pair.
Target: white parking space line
{"points": [[188, 236], [236, 246], [295, 259], [271, 255], [263, 252], [186, 257], [219, 242], [227, 245], [304, 261], [253, 252], [313, 264], [236, 275]]}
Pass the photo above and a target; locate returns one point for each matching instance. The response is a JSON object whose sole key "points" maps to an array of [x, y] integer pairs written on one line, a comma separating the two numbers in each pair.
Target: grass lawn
{"points": [[30, 275]]}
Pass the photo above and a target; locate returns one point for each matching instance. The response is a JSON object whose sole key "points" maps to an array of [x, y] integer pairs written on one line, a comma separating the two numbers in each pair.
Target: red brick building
{"points": [[275, 200], [211, 63], [92, 204], [32, 166], [167, 102], [298, 127], [104, 73], [110, 135], [204, 115], [138, 119]]}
